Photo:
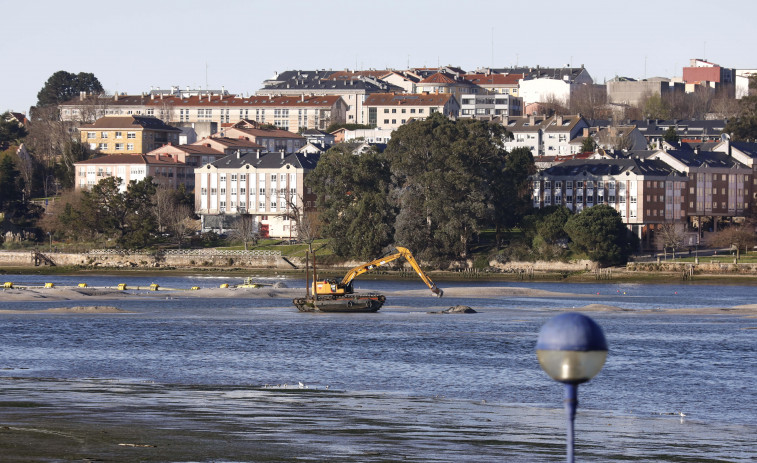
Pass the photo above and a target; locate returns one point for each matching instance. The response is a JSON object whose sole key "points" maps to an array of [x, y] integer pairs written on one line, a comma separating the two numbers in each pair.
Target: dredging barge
{"points": [[338, 296]]}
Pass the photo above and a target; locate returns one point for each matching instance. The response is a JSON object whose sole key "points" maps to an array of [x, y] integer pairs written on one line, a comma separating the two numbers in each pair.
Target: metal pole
{"points": [[571, 402]]}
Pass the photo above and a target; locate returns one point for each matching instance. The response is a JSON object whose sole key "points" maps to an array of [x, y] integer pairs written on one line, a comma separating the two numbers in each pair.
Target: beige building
{"points": [[392, 110], [264, 185], [284, 111], [127, 134], [164, 169]]}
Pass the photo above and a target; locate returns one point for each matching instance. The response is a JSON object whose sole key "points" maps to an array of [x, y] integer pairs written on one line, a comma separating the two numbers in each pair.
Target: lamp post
{"points": [[571, 349]]}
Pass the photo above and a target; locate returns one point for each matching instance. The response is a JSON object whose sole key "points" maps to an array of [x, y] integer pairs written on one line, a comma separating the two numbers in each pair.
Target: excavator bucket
{"points": [[438, 291]]}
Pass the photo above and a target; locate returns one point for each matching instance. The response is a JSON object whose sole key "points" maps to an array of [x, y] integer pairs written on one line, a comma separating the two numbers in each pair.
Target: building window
{"points": [[119, 135], [130, 146], [131, 135], [103, 146], [103, 134], [91, 134]]}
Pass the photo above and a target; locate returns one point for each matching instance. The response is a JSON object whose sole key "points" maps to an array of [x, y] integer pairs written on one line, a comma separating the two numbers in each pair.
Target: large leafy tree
{"points": [[10, 184], [126, 216], [451, 179], [63, 86], [744, 127], [353, 199], [599, 233], [10, 130]]}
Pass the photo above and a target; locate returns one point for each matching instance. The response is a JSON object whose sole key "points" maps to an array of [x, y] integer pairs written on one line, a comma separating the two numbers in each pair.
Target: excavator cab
{"points": [[331, 287]]}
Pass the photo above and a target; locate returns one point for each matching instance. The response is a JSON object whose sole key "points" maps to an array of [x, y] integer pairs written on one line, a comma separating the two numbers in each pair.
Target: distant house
{"points": [[318, 137], [271, 138], [392, 110], [545, 136], [127, 134]]}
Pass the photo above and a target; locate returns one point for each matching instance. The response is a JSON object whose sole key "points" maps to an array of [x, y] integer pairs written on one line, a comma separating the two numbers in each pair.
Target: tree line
{"points": [[438, 186]]}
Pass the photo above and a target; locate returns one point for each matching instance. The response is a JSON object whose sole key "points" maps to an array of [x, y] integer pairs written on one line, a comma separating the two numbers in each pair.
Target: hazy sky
{"points": [[133, 45]]}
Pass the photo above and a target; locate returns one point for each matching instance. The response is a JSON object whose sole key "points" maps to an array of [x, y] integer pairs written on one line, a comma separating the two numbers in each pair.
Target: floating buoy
{"points": [[82, 285], [224, 285], [154, 287], [675, 292], [121, 286], [49, 285], [194, 288]]}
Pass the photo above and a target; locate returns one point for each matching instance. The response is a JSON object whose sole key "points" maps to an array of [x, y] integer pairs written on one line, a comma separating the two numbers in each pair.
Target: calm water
{"points": [[431, 369]]}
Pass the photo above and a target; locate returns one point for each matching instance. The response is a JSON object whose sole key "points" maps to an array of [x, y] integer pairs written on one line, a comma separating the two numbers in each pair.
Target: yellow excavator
{"points": [[338, 296]]}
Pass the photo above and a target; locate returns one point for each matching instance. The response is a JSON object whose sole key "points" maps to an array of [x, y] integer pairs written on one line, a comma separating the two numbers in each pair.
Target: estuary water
{"points": [[400, 384]]}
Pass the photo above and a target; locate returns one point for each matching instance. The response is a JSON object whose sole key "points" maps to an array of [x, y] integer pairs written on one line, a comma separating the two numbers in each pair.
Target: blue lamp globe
{"points": [[571, 348]]}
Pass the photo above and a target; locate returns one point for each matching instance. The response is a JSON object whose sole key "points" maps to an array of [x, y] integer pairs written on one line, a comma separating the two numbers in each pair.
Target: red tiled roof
{"points": [[438, 78], [266, 133], [216, 100], [132, 159]]}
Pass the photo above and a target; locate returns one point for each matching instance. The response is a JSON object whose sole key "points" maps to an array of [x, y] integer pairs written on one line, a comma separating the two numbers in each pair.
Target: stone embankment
{"points": [[188, 258], [697, 268]]}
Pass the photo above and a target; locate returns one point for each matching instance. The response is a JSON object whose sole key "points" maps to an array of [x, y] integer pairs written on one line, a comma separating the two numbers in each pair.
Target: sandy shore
{"points": [[80, 297]]}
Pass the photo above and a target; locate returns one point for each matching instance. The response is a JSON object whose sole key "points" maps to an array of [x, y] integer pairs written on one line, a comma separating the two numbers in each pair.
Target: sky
{"points": [[134, 45]]}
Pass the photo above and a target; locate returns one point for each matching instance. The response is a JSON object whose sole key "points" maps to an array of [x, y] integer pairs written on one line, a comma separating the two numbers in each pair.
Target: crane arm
{"points": [[361, 269], [401, 252]]}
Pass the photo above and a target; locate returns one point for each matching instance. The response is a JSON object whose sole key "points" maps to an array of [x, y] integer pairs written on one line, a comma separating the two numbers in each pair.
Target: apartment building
{"points": [[502, 84], [284, 111], [264, 185], [487, 106], [392, 110], [353, 87], [164, 170], [127, 134], [442, 82], [645, 192], [718, 184]]}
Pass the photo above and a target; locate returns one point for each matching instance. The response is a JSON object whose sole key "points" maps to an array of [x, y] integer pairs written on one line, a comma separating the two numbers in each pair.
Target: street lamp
{"points": [[571, 349]]}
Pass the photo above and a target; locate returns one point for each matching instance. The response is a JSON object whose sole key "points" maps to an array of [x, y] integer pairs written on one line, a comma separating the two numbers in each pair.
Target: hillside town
{"points": [[661, 152]]}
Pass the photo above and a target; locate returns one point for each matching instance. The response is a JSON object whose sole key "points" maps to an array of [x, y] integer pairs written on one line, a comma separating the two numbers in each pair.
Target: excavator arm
{"points": [[401, 252]]}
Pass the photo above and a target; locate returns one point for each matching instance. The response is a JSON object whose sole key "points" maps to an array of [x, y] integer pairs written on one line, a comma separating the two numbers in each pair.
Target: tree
{"points": [[737, 236], [671, 136], [63, 86], [599, 233], [655, 107], [551, 228], [307, 222], [73, 152], [127, 216], [588, 100], [352, 191], [670, 235], [10, 130], [245, 229], [744, 127], [448, 177], [181, 222], [588, 145], [11, 185]]}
